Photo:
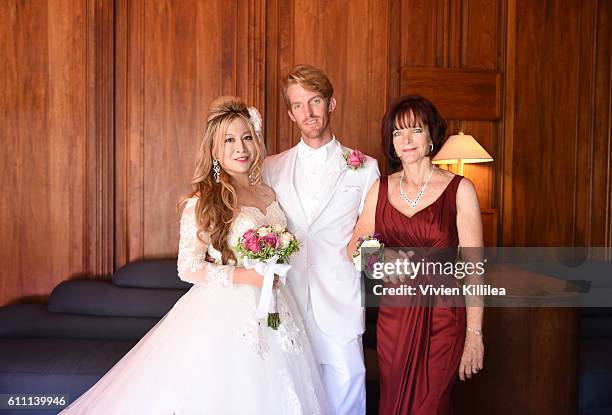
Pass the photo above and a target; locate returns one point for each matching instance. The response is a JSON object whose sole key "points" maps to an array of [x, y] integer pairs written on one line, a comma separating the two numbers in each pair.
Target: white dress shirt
{"points": [[310, 178]]}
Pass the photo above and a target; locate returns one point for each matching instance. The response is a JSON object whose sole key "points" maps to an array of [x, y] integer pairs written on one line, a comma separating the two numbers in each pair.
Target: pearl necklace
{"points": [[413, 203]]}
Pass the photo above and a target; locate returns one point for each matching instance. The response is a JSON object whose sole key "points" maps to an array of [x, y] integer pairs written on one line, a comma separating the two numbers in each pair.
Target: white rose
{"points": [[277, 228], [371, 243], [286, 239], [357, 263], [263, 231]]}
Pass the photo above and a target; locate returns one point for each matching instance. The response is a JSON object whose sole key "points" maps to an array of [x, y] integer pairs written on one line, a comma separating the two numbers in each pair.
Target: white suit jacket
{"points": [[321, 266]]}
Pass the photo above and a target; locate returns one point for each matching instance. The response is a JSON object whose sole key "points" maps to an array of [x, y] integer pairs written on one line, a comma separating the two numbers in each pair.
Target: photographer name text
{"points": [[480, 289]]}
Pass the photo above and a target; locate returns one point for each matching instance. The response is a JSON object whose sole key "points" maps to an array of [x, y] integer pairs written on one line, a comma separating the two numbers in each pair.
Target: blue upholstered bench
{"points": [[67, 345], [596, 361]]}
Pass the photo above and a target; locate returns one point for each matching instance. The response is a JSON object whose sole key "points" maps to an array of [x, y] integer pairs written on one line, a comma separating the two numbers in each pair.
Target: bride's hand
{"points": [[275, 284], [251, 277], [248, 277]]}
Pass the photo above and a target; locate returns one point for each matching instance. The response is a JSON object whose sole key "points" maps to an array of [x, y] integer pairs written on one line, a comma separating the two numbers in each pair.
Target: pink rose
{"points": [[355, 158], [373, 259], [252, 244], [249, 234], [271, 240]]}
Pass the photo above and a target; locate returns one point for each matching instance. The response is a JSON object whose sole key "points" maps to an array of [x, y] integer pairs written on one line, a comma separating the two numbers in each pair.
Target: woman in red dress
{"points": [[423, 341]]}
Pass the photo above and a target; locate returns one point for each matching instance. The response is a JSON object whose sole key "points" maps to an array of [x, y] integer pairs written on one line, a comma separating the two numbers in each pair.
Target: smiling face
{"points": [[311, 112], [238, 149], [411, 138]]}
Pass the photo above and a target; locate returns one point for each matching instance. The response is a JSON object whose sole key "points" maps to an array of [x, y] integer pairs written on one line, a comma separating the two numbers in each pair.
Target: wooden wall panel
{"points": [[545, 201], [420, 32], [458, 94], [185, 67], [481, 48], [349, 41], [52, 83], [559, 157], [99, 169], [481, 31], [173, 59], [601, 207], [451, 54]]}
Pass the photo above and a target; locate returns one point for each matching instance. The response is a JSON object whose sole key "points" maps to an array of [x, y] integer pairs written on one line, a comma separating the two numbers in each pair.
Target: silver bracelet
{"points": [[471, 330]]}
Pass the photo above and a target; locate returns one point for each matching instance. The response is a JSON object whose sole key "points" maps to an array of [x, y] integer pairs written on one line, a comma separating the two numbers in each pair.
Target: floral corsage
{"points": [[369, 251], [354, 159]]}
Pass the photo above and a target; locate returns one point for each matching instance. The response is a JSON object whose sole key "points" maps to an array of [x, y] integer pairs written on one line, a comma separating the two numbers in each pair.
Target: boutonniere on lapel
{"points": [[354, 159]]}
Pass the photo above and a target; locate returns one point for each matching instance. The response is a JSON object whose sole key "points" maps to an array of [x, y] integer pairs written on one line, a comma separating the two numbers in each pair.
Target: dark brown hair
{"points": [[415, 110]]}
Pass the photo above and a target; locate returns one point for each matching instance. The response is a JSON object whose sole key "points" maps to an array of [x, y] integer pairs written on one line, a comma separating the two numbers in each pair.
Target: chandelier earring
{"points": [[216, 170], [252, 177]]}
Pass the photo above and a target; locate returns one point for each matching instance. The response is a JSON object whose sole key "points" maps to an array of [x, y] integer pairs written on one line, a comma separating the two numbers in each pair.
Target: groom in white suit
{"points": [[322, 198]]}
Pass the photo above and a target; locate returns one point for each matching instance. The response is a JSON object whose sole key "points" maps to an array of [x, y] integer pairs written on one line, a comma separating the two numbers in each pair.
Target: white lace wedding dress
{"points": [[209, 355]]}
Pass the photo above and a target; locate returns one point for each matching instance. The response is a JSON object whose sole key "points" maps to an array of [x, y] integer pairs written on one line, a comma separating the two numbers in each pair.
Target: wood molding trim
{"points": [[489, 226], [279, 60], [251, 83], [584, 140], [129, 131], [100, 137], [507, 137]]}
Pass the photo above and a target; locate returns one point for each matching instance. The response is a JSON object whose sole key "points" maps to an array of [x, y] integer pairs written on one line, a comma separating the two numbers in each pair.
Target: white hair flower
{"points": [[255, 119]]}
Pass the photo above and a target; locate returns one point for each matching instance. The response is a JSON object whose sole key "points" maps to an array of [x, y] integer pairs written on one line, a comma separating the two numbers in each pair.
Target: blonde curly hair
{"points": [[217, 204]]}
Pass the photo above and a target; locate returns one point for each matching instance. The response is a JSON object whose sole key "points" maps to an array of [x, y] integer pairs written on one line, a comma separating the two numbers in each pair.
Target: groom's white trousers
{"points": [[342, 368]]}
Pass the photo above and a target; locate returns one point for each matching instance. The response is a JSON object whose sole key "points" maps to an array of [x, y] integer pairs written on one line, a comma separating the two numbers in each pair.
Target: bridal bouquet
{"points": [[267, 250], [369, 251]]}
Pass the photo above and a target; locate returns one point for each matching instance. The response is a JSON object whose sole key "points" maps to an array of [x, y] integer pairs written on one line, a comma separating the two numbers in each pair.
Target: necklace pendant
{"points": [[413, 203]]}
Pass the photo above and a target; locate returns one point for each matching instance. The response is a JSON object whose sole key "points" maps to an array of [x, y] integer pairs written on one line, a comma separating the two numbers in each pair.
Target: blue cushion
{"points": [[597, 411], [595, 375], [102, 298], [60, 366], [34, 320], [596, 326], [596, 311], [150, 273]]}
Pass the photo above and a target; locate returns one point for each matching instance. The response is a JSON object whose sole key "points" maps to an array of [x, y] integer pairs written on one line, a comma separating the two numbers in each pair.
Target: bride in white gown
{"points": [[209, 354]]}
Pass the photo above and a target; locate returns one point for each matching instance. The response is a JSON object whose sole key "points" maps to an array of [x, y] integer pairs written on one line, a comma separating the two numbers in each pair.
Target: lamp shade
{"points": [[461, 148]]}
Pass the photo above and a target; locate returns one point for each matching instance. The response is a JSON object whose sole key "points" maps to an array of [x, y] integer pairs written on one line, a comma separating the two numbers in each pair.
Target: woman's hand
{"points": [[473, 354], [251, 277], [275, 284], [247, 277], [391, 256]]}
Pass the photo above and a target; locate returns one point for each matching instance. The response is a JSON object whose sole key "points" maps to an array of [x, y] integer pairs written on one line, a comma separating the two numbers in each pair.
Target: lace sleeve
{"points": [[192, 265]]}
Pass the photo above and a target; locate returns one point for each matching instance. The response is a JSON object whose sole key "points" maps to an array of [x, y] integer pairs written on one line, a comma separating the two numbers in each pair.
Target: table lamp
{"points": [[461, 149]]}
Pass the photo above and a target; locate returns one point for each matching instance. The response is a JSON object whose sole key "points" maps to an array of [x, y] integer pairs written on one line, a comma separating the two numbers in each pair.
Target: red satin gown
{"points": [[420, 341]]}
